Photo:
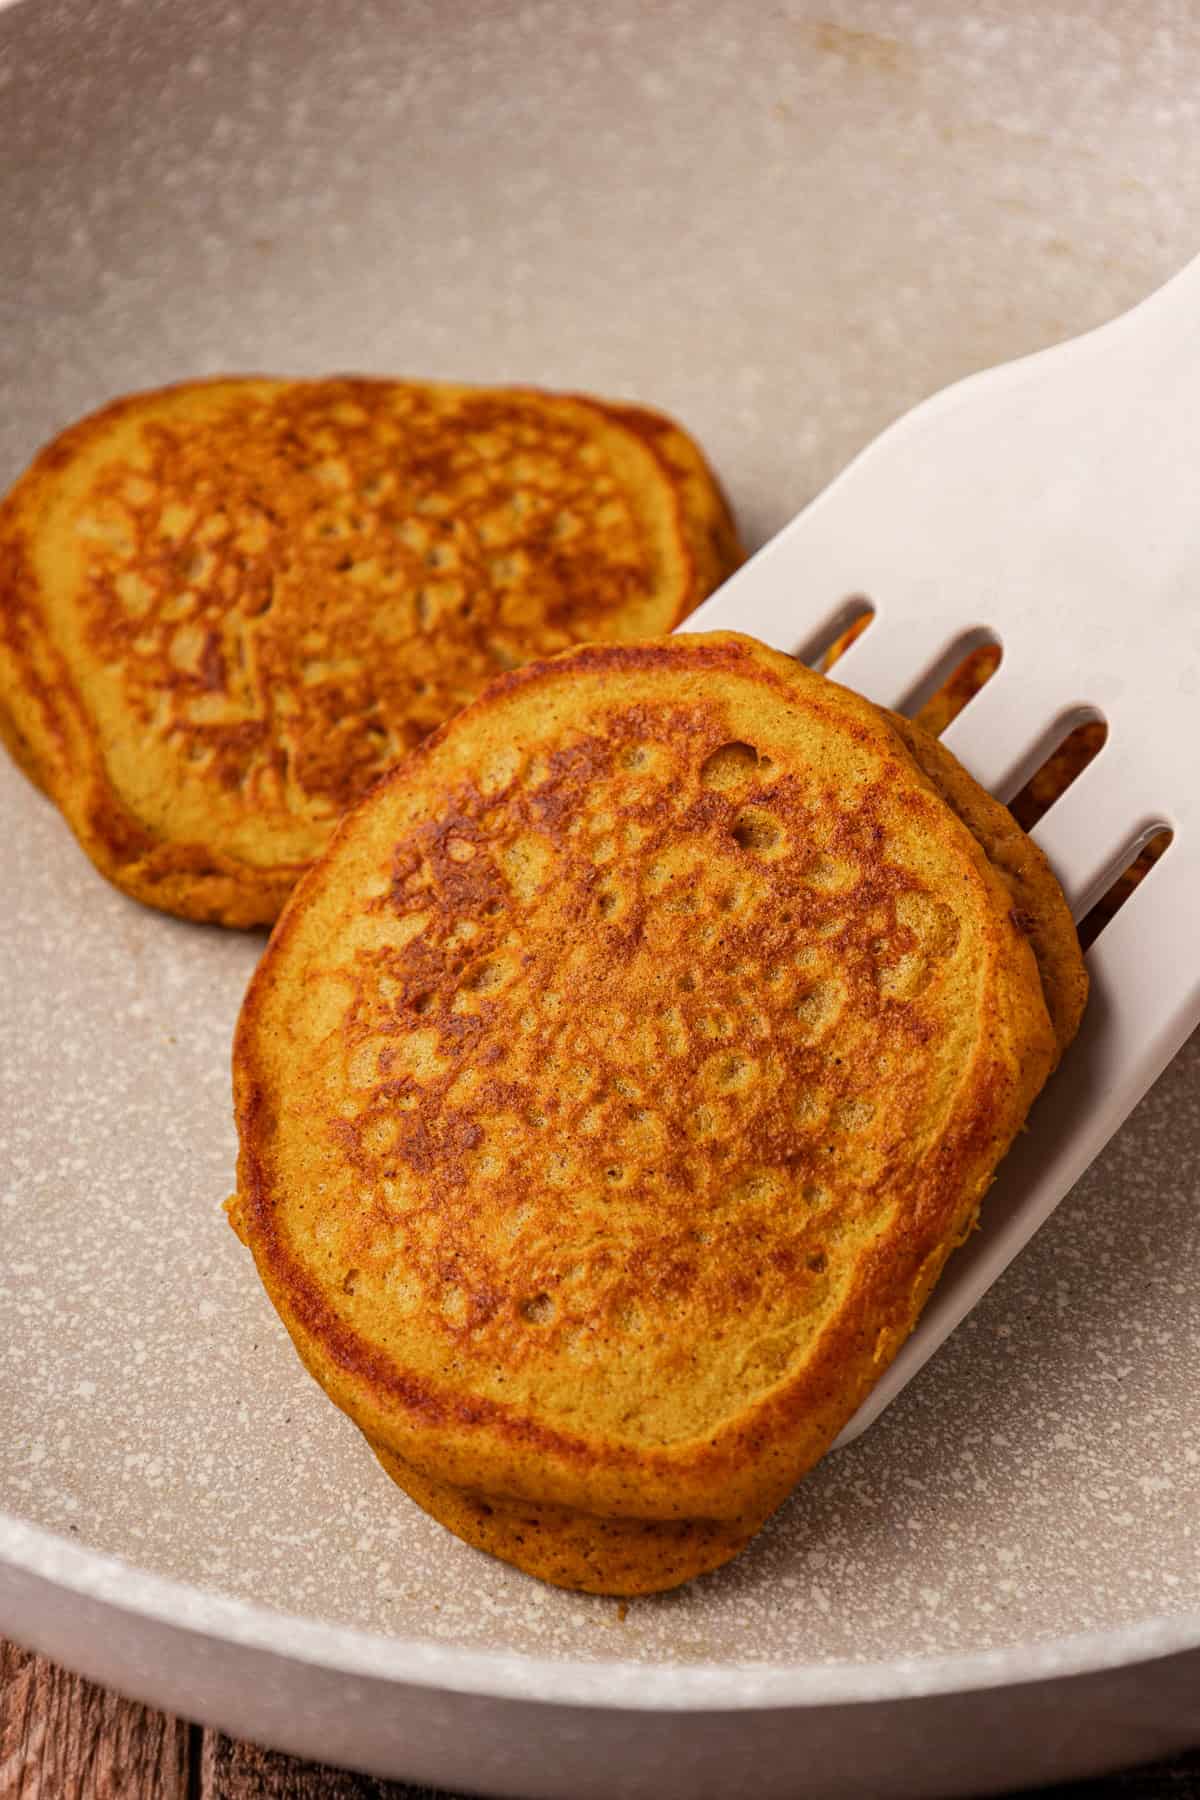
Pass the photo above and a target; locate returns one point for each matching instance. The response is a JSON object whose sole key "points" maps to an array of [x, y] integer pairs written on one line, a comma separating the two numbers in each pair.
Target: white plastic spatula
{"points": [[1052, 504]]}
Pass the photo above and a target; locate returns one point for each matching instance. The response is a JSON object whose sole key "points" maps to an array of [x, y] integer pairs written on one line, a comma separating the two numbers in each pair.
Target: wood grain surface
{"points": [[61, 1738]]}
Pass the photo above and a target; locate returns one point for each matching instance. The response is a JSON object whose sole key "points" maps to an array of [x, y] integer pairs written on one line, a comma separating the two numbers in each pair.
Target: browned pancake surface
{"points": [[227, 607], [613, 1091]]}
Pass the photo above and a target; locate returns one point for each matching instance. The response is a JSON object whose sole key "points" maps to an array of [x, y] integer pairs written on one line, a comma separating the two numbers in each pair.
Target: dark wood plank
{"points": [[238, 1771], [235, 1771], [63, 1739], [1176, 1780]]}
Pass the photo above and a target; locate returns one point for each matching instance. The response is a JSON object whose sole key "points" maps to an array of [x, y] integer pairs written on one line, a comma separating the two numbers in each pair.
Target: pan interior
{"points": [[786, 228]]}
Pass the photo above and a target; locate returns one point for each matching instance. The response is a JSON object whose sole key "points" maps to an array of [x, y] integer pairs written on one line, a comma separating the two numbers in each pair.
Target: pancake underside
{"points": [[584, 1551]]}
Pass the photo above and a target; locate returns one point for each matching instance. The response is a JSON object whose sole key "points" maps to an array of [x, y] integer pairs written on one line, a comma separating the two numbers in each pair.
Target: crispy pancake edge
{"points": [[706, 516], [1043, 911]]}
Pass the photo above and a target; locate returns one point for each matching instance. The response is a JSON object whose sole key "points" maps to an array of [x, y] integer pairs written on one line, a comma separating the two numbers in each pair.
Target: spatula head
{"points": [[1048, 505]]}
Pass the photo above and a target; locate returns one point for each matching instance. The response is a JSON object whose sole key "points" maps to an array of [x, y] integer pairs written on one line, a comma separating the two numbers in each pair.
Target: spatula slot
{"points": [[973, 667], [905, 658], [842, 628], [954, 679], [1064, 764], [1141, 859], [1027, 755], [1107, 815]]}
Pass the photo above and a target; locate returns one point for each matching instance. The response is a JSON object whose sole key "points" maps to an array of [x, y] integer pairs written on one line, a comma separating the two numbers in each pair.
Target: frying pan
{"points": [[785, 226]]}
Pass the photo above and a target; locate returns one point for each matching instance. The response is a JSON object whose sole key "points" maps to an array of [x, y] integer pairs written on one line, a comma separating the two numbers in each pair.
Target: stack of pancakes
{"points": [[628, 1060], [615, 1087]]}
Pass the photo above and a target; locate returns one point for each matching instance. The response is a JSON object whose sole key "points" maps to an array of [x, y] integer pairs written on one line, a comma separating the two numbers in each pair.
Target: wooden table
{"points": [[64, 1739]]}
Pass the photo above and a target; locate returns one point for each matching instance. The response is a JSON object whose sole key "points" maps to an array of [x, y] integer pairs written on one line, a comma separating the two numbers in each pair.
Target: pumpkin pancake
{"points": [[615, 1086], [227, 607]]}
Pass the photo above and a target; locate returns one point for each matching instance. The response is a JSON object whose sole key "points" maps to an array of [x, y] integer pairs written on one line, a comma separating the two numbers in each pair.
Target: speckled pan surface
{"points": [[785, 225]]}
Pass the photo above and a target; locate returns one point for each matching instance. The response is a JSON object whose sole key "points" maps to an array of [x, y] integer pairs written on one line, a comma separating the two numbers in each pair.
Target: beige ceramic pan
{"points": [[785, 225]]}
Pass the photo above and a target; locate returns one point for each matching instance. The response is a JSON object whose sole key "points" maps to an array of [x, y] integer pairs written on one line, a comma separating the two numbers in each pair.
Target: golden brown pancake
{"points": [[614, 1088], [227, 607], [578, 1550]]}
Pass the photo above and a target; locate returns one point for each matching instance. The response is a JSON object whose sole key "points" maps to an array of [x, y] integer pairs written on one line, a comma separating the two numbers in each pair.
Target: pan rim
{"points": [[120, 1586]]}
